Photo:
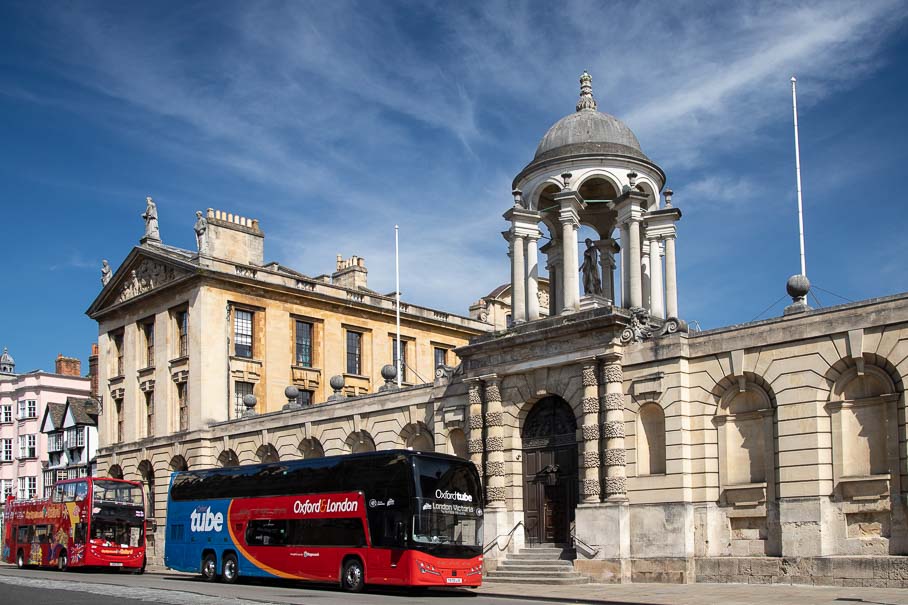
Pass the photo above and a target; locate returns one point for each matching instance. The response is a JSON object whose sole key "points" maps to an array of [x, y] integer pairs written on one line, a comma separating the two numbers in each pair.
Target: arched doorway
{"points": [[549, 471]]}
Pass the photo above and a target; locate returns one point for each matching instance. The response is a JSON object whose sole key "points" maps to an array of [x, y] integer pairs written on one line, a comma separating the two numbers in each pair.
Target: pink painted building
{"points": [[23, 400]]}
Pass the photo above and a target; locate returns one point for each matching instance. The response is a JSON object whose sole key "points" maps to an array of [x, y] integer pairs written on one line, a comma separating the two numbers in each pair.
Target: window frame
{"points": [[357, 353], [238, 406], [6, 450], [249, 347], [6, 413], [148, 332], [305, 343]]}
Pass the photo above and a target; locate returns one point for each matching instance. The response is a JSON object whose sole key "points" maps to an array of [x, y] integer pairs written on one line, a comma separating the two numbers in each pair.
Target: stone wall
{"points": [[889, 572]]}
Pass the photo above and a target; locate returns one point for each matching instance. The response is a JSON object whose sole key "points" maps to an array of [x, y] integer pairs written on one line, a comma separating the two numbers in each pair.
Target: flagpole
{"points": [[397, 296], [794, 107]]}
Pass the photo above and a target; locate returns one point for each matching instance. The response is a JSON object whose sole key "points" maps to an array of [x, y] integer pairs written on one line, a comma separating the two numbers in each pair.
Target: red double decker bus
{"points": [[396, 517], [86, 522]]}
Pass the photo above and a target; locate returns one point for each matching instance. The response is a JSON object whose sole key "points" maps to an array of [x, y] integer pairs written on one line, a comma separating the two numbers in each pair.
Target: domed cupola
{"points": [[7, 363]]}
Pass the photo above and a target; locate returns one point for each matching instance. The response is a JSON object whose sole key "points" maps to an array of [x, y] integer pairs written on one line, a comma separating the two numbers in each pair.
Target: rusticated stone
{"points": [[494, 419], [475, 422], [615, 457], [475, 395], [494, 493], [613, 401], [590, 459], [615, 485], [590, 487], [613, 373], [613, 428], [494, 444], [590, 432], [474, 446], [589, 376], [495, 468], [590, 405], [492, 392]]}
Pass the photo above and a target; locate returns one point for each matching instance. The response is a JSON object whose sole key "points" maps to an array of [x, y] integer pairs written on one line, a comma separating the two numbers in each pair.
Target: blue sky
{"points": [[331, 122]]}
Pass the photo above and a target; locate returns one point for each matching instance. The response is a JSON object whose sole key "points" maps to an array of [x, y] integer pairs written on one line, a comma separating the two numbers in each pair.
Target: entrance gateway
{"points": [[549, 471]]}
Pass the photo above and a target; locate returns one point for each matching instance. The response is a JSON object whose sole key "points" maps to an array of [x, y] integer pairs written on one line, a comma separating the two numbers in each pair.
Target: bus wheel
{"points": [[20, 560], [231, 571], [140, 570], [62, 561], [353, 577], [209, 568]]}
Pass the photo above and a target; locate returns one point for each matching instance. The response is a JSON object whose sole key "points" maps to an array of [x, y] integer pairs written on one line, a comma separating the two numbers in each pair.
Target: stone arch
{"points": [[147, 475], [178, 463], [457, 441], [539, 197], [115, 471], [228, 458], [417, 436], [359, 441], [267, 453], [650, 451], [311, 448]]}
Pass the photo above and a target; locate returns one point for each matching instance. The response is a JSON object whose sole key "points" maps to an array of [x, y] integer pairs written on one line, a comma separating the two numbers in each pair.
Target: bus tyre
{"points": [[20, 560], [231, 571], [209, 568], [62, 561], [353, 577], [140, 570]]}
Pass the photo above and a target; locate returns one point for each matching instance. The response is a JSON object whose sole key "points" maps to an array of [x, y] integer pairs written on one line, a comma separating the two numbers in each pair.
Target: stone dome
{"points": [[7, 363], [588, 131]]}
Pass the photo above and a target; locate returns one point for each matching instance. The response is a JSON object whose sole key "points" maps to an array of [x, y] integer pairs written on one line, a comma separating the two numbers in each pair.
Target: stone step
{"points": [[538, 562], [537, 556], [548, 567], [495, 577]]}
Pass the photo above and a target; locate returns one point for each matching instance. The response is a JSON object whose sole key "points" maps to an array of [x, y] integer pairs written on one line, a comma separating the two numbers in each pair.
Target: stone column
{"points": [[614, 459], [554, 288], [570, 267], [607, 249], [625, 266], [475, 445], [518, 280], [589, 488], [532, 278], [645, 275], [494, 422], [635, 284], [657, 304], [671, 284]]}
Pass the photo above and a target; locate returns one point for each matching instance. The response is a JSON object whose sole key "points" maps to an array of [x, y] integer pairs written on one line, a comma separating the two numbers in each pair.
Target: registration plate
{"points": [[116, 564], [454, 580]]}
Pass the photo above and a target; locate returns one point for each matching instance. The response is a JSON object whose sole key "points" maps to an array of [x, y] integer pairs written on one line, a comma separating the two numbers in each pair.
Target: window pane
{"points": [[241, 389], [354, 345], [441, 357], [403, 357], [243, 333], [303, 344]]}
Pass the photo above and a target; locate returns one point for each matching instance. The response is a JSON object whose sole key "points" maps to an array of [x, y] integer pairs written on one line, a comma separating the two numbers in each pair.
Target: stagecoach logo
{"points": [[307, 554], [325, 505], [202, 519], [459, 496], [373, 503]]}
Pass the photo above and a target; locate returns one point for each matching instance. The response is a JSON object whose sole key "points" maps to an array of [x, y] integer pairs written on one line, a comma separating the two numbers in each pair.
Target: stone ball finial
{"points": [[632, 178], [291, 392], [668, 193], [249, 401], [566, 177], [337, 382], [798, 286], [388, 372]]}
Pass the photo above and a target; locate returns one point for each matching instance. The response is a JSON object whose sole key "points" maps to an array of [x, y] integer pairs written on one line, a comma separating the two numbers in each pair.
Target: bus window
{"points": [[25, 534], [58, 492], [266, 532], [42, 534], [79, 533], [81, 489]]}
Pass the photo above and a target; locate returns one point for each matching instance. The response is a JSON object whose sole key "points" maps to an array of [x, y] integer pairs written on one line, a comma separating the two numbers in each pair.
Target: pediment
{"points": [[139, 274]]}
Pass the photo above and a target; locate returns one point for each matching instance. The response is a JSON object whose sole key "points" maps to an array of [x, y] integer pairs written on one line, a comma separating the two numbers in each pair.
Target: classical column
{"points": [[570, 267], [625, 266], [495, 488], [554, 288], [615, 458], [607, 250], [589, 487], [532, 278], [671, 284], [657, 304], [475, 445], [633, 252], [518, 281], [645, 272]]}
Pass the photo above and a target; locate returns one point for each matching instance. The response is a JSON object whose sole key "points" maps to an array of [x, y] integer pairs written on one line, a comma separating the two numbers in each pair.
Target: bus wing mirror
{"points": [[400, 533]]}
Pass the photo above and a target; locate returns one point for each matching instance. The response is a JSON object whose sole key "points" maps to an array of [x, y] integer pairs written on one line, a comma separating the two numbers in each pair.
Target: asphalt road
{"points": [[39, 587]]}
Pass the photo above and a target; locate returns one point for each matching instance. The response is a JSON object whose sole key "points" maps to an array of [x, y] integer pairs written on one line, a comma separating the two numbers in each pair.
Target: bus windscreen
{"points": [[448, 507]]}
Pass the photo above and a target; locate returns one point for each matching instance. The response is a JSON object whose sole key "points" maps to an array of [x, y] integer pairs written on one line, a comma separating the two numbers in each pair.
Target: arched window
{"points": [[115, 472], [267, 453], [862, 421], [228, 458], [651, 440], [311, 448], [178, 463], [146, 471], [359, 442]]}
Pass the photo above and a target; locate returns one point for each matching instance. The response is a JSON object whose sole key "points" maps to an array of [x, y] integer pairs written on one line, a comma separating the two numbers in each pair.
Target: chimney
{"points": [[67, 366], [351, 273], [235, 238], [93, 370]]}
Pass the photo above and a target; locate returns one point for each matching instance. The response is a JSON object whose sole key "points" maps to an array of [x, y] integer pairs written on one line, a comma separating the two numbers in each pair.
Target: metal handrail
{"points": [[587, 547], [508, 535]]}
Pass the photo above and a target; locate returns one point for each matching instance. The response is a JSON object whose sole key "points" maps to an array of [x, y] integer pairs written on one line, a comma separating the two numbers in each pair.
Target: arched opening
{"points": [[115, 472], [146, 472], [267, 453], [228, 458], [311, 448], [360, 441], [417, 436], [549, 471], [178, 463], [650, 440], [458, 443]]}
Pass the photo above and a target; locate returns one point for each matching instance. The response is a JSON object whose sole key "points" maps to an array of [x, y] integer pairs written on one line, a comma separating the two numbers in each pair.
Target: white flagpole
{"points": [[794, 106], [397, 295]]}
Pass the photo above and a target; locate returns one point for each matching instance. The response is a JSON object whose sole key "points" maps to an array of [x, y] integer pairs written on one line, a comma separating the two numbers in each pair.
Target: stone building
{"points": [[770, 451]]}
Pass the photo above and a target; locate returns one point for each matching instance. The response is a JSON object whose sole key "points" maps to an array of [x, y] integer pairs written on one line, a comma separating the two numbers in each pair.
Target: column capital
{"points": [[571, 204], [521, 215]]}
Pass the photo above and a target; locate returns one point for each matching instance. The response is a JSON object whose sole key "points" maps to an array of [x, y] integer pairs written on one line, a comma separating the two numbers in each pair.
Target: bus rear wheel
{"points": [[230, 571], [20, 560], [62, 562], [353, 577], [209, 568]]}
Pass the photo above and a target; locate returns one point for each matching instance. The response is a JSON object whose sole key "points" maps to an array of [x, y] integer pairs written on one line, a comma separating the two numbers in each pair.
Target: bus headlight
{"points": [[475, 571], [427, 568]]}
